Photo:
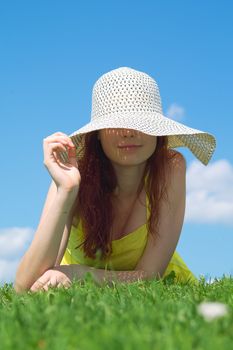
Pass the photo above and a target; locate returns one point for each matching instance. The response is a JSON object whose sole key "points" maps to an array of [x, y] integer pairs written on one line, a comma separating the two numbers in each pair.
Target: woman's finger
{"points": [[36, 286], [39, 283], [46, 287], [58, 138], [53, 281], [65, 284]]}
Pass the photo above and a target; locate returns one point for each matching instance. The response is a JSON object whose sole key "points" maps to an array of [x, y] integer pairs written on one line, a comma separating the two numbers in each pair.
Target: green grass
{"points": [[141, 315]]}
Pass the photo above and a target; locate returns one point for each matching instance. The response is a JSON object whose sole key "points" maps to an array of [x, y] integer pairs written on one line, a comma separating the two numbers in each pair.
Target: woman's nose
{"points": [[129, 133]]}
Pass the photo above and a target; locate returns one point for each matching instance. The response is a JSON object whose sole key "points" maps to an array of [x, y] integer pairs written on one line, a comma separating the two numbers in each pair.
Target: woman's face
{"points": [[113, 140]]}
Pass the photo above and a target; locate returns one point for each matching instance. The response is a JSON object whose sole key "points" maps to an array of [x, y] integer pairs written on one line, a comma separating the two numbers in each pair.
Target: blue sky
{"points": [[52, 52]]}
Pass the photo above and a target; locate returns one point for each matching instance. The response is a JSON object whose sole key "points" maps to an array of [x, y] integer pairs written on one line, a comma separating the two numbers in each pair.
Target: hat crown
{"points": [[125, 90]]}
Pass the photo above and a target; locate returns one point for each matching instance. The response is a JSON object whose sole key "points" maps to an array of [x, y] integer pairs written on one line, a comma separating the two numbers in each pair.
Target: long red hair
{"points": [[98, 181]]}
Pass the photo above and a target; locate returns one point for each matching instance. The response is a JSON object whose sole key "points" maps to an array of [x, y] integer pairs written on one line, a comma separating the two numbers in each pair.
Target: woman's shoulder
{"points": [[174, 153], [177, 158]]}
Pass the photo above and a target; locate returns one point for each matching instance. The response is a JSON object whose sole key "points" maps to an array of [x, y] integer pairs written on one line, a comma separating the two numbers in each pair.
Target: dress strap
{"points": [[147, 207]]}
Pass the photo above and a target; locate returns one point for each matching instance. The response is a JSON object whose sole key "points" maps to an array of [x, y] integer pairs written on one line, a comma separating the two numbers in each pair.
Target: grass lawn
{"points": [[142, 315]]}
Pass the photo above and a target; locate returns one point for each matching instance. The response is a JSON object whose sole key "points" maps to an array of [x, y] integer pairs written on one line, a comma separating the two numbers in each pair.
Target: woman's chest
{"points": [[129, 216]]}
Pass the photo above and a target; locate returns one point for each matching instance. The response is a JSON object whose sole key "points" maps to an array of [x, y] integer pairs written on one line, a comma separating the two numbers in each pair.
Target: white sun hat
{"points": [[128, 98]]}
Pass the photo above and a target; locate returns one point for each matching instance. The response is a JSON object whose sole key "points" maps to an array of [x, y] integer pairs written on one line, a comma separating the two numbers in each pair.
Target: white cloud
{"points": [[8, 270], [14, 242], [209, 193], [175, 112]]}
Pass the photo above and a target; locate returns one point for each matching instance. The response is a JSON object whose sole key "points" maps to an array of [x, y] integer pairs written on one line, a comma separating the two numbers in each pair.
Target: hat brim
{"points": [[202, 144]]}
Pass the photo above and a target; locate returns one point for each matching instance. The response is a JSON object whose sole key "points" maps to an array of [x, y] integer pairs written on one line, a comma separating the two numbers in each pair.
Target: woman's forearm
{"points": [[44, 248], [101, 276]]}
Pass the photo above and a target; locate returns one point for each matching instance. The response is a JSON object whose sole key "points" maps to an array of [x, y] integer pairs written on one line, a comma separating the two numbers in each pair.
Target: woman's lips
{"points": [[129, 146]]}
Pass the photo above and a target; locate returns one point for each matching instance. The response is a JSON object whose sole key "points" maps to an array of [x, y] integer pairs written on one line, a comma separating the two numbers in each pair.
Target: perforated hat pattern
{"points": [[125, 90]]}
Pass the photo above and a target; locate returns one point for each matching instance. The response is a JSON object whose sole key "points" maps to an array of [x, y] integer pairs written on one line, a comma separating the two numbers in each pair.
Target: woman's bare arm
{"points": [[57, 213], [55, 222]]}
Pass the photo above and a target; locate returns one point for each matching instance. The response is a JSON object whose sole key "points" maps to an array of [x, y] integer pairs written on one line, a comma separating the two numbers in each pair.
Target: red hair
{"points": [[98, 181]]}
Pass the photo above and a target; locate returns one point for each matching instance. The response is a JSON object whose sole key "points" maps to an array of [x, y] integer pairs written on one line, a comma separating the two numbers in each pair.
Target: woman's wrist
{"points": [[67, 192], [66, 199]]}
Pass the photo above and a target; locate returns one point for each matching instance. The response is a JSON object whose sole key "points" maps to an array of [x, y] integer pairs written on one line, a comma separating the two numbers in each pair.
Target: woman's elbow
{"points": [[19, 287]]}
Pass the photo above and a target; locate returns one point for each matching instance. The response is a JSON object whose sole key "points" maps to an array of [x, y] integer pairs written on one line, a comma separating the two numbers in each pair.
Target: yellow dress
{"points": [[126, 253]]}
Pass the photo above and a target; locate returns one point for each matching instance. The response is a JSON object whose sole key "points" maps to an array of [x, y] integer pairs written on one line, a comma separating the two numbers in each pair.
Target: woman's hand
{"points": [[65, 175], [58, 277]]}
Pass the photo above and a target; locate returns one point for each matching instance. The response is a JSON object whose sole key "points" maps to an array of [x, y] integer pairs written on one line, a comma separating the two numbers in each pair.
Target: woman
{"points": [[116, 203]]}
